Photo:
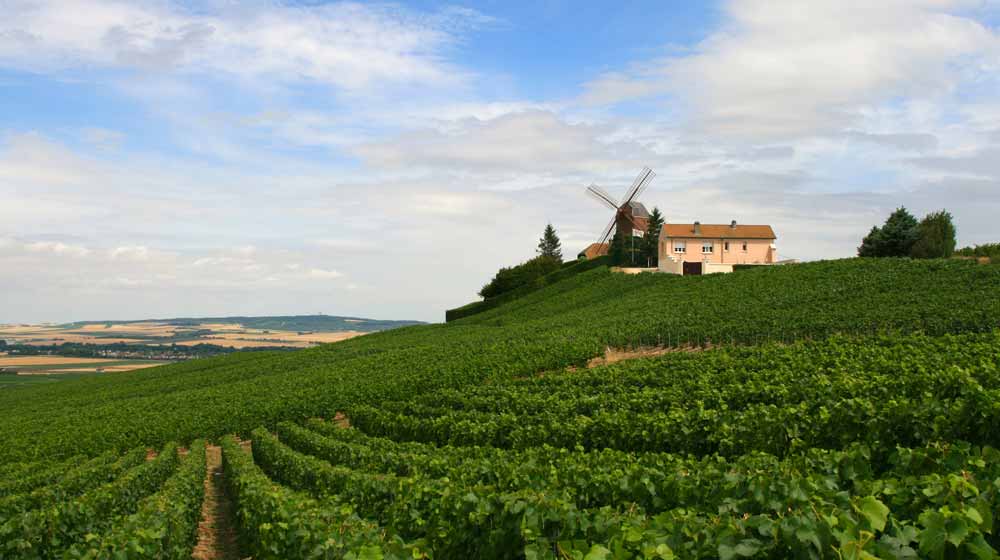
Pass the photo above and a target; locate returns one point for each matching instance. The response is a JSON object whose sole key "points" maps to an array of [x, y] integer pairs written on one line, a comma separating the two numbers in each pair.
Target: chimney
{"points": [[733, 225], [697, 228]]}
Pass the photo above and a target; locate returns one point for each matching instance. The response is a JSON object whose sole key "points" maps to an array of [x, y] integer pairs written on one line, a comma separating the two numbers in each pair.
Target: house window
{"points": [[680, 246], [744, 246], [707, 246], [725, 246]]}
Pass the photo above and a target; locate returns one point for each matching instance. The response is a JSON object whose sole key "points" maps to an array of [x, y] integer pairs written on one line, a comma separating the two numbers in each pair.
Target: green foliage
{"points": [[989, 250], [165, 526], [809, 411], [524, 274], [883, 392], [548, 245], [567, 270], [75, 478], [880, 500], [50, 529], [617, 251], [651, 241], [894, 239], [626, 250], [935, 237], [566, 323], [277, 523]]}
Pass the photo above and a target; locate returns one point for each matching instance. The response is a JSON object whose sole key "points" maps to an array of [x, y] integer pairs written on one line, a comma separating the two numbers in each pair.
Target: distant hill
{"points": [[324, 323]]}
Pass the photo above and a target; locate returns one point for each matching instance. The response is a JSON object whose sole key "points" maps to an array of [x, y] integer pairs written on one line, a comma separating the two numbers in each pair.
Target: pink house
{"points": [[705, 248]]}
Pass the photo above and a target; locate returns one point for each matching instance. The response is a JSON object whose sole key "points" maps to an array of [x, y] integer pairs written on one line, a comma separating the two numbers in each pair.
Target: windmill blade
{"points": [[639, 185], [607, 231], [602, 196]]}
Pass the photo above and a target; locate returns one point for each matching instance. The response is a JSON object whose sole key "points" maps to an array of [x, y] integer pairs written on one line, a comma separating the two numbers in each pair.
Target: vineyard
{"points": [[843, 409]]}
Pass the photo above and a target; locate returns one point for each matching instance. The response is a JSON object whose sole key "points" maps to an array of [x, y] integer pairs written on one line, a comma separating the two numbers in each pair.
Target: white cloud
{"points": [[322, 274], [57, 248], [130, 253], [348, 45], [780, 67], [525, 141]]}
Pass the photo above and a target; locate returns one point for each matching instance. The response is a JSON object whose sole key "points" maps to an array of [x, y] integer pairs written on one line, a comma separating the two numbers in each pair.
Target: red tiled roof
{"points": [[595, 250], [718, 231]]}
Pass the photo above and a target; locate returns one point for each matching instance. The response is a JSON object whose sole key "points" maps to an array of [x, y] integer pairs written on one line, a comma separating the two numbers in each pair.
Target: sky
{"points": [[185, 158]]}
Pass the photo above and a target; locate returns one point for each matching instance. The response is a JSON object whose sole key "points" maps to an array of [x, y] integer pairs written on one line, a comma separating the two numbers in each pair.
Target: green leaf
{"points": [[978, 546], [372, 552], [874, 511], [744, 549], [957, 529], [597, 552], [932, 539]]}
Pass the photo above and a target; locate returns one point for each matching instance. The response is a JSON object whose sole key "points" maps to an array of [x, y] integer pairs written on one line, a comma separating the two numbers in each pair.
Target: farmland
{"points": [[232, 332], [841, 409]]}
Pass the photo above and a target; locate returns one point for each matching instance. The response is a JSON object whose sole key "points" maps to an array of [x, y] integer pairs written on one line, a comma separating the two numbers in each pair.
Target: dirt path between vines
{"points": [[217, 530]]}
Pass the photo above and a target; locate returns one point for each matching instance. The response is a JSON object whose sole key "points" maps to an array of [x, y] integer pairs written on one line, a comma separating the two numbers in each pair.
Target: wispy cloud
{"points": [[347, 45]]}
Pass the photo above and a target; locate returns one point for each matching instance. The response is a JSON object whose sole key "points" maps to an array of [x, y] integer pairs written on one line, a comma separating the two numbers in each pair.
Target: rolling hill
{"points": [[827, 409], [325, 323]]}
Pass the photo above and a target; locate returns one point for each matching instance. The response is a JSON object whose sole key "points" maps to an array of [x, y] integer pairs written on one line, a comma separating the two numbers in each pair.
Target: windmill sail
{"points": [[608, 230], [624, 211], [602, 196], [645, 176]]}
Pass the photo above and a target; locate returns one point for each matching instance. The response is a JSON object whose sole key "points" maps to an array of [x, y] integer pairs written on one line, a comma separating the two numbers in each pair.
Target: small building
{"points": [[593, 251], [708, 248]]}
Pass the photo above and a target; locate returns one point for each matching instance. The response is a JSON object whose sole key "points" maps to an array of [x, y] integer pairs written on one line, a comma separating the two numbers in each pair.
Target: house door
{"points": [[692, 268]]}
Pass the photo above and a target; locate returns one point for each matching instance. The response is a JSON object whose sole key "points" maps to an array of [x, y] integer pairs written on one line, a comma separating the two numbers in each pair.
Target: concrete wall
{"points": [[759, 251], [670, 266], [628, 270], [716, 268]]}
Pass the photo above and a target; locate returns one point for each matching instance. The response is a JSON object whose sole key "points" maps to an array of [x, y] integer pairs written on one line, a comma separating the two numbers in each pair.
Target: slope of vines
{"points": [[562, 325], [843, 409], [851, 447]]}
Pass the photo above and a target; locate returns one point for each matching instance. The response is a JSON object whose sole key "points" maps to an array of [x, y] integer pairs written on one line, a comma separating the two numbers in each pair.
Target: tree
{"points": [[548, 245], [894, 239], [935, 237], [872, 245], [510, 278], [617, 251], [651, 240]]}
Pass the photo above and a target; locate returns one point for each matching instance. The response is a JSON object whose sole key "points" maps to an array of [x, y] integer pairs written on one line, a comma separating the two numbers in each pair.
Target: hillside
{"points": [[845, 410], [325, 323]]}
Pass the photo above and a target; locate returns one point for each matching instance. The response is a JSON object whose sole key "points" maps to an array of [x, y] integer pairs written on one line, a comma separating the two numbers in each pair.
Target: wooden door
{"points": [[692, 268]]}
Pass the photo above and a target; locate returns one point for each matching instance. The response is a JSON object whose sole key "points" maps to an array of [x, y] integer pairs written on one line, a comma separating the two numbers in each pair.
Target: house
{"points": [[707, 248]]}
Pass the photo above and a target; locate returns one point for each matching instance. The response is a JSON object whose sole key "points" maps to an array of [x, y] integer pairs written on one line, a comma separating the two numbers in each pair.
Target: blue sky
{"points": [[383, 159]]}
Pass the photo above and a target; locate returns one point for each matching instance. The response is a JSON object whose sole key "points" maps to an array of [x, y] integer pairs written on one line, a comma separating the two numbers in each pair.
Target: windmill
{"points": [[630, 215]]}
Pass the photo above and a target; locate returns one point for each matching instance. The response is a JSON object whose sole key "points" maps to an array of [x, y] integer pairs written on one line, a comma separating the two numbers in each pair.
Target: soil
{"points": [[612, 355], [341, 420], [217, 530]]}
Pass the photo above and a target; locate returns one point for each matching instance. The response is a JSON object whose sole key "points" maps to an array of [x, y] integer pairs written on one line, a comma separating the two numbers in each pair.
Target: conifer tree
{"points": [[548, 245], [894, 239], [651, 240]]}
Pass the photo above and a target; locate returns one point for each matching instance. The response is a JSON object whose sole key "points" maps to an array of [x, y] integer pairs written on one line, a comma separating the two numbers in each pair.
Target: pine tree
{"points": [[617, 250], [548, 245], [894, 239], [651, 240]]}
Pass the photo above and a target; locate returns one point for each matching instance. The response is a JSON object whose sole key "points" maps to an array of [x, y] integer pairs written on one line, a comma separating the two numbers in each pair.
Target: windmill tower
{"points": [[631, 217]]}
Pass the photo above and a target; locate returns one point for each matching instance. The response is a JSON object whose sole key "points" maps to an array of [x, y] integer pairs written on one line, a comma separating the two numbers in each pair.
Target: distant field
{"points": [[43, 365], [47, 353], [40, 379], [232, 335]]}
